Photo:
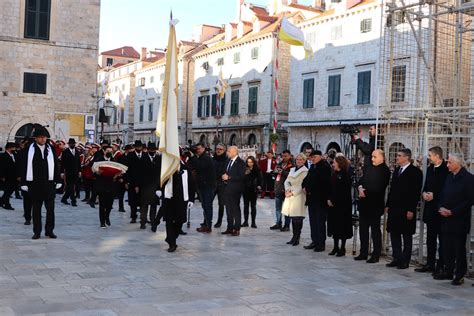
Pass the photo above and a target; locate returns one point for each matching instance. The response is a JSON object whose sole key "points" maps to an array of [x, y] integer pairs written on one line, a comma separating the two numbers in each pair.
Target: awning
{"points": [[370, 121]]}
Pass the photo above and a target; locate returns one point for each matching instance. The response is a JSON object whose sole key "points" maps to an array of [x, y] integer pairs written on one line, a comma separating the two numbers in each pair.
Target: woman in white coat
{"points": [[295, 198]]}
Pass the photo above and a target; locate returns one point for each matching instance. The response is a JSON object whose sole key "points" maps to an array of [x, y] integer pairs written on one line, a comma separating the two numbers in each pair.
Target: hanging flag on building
{"points": [[292, 35], [221, 86], [167, 122]]}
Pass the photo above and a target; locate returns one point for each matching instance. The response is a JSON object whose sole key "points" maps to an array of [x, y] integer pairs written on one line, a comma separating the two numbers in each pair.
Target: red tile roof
{"points": [[117, 65], [258, 10], [266, 18], [125, 51], [304, 7]]}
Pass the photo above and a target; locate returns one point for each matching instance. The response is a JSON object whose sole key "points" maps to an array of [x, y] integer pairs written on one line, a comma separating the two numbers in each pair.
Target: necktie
{"points": [[229, 166], [400, 171]]}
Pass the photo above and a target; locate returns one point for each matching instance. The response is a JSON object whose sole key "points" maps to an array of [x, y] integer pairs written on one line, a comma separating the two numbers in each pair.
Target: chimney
{"points": [[238, 10], [319, 4], [143, 53]]}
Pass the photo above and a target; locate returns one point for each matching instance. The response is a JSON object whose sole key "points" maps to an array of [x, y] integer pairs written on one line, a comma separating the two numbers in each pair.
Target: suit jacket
{"points": [[434, 182], [317, 184], [235, 185], [404, 195], [149, 182], [375, 181], [134, 169], [70, 164], [174, 209], [263, 164], [8, 168], [458, 197]]}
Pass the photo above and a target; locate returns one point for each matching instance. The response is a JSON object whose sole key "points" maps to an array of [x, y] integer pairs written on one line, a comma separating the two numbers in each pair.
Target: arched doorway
{"points": [[233, 140], [203, 139], [335, 146], [252, 140], [304, 146], [392, 152], [26, 131]]}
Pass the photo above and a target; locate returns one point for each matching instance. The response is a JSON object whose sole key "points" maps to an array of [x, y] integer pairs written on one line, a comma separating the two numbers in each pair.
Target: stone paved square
{"points": [[123, 270]]}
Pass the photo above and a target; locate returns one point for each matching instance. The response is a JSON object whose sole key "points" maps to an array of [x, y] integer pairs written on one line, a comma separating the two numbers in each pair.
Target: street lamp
{"points": [[104, 114]]}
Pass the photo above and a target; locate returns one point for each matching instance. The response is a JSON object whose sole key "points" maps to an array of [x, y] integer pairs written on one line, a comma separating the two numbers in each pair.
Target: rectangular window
{"points": [[152, 79], [122, 116], [255, 53], [142, 82], [308, 93], [140, 116], [398, 83], [123, 87], [363, 87], [334, 90], [366, 25], [336, 32], [214, 104], [222, 106], [150, 111], [162, 77], [236, 58], [253, 99], [34, 83], [199, 108], [110, 62], [220, 61], [114, 121], [208, 105], [204, 109], [234, 102], [37, 16]]}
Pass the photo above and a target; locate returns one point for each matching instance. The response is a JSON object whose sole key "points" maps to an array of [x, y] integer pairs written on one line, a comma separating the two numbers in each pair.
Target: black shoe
{"points": [[310, 246], [360, 258], [333, 252], [142, 226], [172, 248], [245, 224], [36, 236], [154, 228], [373, 260], [457, 281], [103, 226], [27, 223], [107, 221], [227, 232], [424, 269], [65, 202], [254, 225], [8, 207], [183, 233], [275, 227], [51, 235], [403, 266], [133, 221], [92, 204], [74, 204], [291, 242], [341, 252], [296, 242], [18, 197], [218, 224], [319, 249], [122, 210], [85, 200], [443, 276], [285, 228], [393, 264]]}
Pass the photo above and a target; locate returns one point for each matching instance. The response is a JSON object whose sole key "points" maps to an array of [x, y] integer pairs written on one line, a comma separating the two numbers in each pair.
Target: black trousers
{"points": [[250, 201], [70, 190], [144, 212], [7, 192], [373, 224], [399, 255], [27, 206], [172, 231], [433, 233], [268, 184], [221, 200], [133, 201], [121, 195], [106, 200], [88, 186], [454, 249], [49, 206], [234, 213], [317, 222]]}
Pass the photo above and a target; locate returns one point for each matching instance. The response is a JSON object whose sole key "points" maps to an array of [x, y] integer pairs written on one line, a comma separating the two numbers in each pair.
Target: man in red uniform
{"points": [[267, 166]]}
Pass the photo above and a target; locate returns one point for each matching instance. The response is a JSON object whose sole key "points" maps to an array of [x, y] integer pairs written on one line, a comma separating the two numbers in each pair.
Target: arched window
{"points": [[26, 131], [335, 146], [203, 139], [304, 146], [233, 140], [252, 140]]}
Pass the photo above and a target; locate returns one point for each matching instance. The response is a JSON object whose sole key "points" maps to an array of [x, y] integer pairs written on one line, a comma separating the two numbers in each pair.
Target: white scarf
{"points": [[169, 187], [29, 166]]}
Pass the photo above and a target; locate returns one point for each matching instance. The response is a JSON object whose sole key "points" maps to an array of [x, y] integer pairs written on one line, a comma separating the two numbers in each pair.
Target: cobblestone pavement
{"points": [[127, 271]]}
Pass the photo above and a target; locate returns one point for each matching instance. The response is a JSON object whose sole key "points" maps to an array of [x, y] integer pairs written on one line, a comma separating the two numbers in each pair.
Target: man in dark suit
{"points": [[435, 177], [316, 185], [457, 198], [132, 177], [8, 175], [21, 160], [149, 183], [234, 179], [40, 178], [403, 198], [70, 172]]}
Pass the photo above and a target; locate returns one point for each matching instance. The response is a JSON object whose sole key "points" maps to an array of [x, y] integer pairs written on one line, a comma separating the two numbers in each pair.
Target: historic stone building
{"points": [[48, 65]]}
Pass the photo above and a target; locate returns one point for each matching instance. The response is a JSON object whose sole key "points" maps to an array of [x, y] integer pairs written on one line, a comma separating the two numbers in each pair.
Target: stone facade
{"points": [[68, 58]]}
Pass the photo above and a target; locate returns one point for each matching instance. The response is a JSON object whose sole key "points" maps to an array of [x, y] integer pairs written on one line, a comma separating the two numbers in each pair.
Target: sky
{"points": [[144, 23]]}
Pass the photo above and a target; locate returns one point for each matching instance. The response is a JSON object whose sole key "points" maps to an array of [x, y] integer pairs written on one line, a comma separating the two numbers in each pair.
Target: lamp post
{"points": [[104, 115]]}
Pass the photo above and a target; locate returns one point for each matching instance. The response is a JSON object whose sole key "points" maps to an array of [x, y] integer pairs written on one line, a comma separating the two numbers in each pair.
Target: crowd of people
{"points": [[311, 184]]}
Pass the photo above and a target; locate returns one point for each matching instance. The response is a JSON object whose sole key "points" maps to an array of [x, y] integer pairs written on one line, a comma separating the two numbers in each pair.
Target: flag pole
{"points": [[276, 69]]}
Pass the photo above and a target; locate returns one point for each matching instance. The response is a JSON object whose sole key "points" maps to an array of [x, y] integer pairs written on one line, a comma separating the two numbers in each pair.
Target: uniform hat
{"points": [[40, 131], [71, 141], [138, 143], [104, 142], [128, 147]]}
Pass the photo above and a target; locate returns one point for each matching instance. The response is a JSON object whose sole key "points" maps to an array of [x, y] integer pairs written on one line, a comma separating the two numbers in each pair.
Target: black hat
{"points": [[316, 153], [40, 131], [151, 146], [71, 141], [138, 143], [104, 142], [10, 145], [128, 147]]}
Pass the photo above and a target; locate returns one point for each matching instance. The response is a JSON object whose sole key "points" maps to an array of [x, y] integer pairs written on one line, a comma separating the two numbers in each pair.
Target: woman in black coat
{"points": [[253, 183], [340, 206]]}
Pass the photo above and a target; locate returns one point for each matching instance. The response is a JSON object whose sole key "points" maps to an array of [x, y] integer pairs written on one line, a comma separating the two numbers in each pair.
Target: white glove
{"points": [[190, 204], [58, 186], [24, 188], [158, 194]]}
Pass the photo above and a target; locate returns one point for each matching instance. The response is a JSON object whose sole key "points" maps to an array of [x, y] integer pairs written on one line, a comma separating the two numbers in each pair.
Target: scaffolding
{"points": [[425, 75]]}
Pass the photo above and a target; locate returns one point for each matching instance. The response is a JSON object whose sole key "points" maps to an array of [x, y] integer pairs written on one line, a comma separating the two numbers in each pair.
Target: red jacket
{"points": [[263, 164]]}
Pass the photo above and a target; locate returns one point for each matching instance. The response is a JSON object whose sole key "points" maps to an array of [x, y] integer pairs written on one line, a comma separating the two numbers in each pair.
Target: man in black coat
{"points": [[234, 179], [149, 183], [205, 176], [403, 198], [8, 175], [132, 178], [316, 184], [105, 189], [456, 200], [366, 148], [70, 172], [372, 187], [40, 178], [220, 160], [435, 177]]}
